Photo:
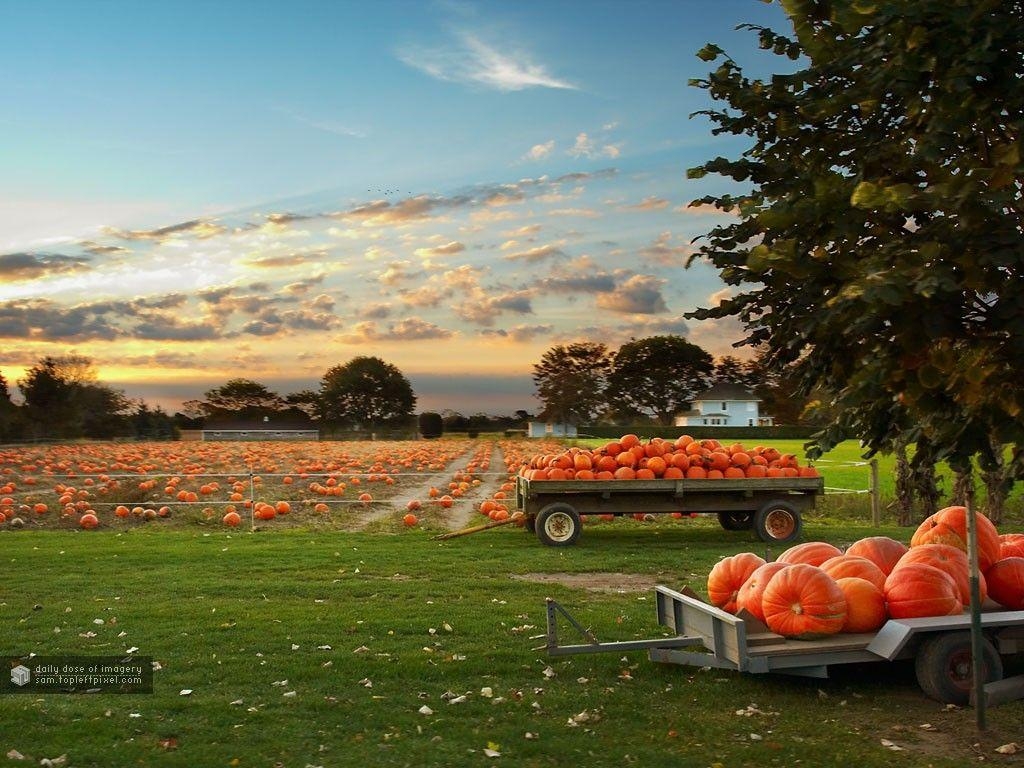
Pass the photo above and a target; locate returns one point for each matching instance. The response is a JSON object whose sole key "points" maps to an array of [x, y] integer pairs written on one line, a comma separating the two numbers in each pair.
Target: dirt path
{"points": [[462, 511]]}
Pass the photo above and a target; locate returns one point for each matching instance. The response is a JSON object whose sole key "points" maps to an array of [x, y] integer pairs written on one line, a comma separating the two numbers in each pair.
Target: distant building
{"points": [[550, 429], [725, 405], [266, 428]]}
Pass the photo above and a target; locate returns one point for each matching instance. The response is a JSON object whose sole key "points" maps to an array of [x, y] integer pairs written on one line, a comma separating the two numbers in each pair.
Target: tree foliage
{"points": [[241, 397], [64, 399], [879, 251], [364, 392], [658, 376], [570, 381]]}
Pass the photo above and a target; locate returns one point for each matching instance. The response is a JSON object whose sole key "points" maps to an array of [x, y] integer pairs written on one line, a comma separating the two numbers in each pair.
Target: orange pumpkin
{"points": [[810, 553], [1006, 583], [803, 602], [881, 550], [231, 519], [88, 520], [750, 594], [949, 526], [916, 590], [728, 575], [843, 566], [1011, 545], [410, 519], [949, 559], [865, 605]]}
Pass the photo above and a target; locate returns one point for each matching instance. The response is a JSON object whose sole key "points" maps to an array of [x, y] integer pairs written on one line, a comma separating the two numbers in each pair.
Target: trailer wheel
{"points": [[944, 669], [736, 521], [778, 522], [558, 525]]}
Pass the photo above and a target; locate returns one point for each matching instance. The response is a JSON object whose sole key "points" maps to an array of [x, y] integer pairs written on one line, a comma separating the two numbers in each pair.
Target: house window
{"points": [[750, 422], [725, 407]]}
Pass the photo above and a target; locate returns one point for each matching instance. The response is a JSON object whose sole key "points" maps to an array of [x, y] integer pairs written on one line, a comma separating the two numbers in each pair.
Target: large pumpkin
{"points": [[865, 605], [949, 526], [916, 590], [843, 566], [750, 594], [728, 575], [810, 553], [1006, 583], [1011, 545], [881, 550], [804, 602], [949, 559]]}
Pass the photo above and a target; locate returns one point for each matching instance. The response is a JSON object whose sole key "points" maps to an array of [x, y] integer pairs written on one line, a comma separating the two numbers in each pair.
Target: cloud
{"points": [[539, 151], [650, 203], [583, 213], [328, 126], [586, 147], [470, 60], [18, 267], [198, 228], [533, 255], [396, 272], [519, 334], [483, 309], [661, 251], [377, 311], [302, 287], [410, 329], [294, 259], [102, 250], [582, 283], [639, 295], [524, 231], [447, 249]]}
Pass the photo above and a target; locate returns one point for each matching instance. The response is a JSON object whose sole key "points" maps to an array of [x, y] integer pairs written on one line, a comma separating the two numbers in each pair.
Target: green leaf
{"points": [[709, 52], [867, 195]]}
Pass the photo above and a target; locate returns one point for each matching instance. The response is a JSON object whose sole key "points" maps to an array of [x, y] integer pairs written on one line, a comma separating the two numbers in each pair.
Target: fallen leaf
{"points": [[168, 743], [425, 710], [487, 692], [548, 672], [891, 745], [15, 755], [1008, 749], [185, 692], [492, 749], [457, 700]]}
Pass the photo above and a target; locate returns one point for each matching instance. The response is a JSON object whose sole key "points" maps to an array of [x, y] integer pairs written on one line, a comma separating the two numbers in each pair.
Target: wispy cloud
{"points": [[471, 60], [585, 146], [540, 151], [328, 126]]}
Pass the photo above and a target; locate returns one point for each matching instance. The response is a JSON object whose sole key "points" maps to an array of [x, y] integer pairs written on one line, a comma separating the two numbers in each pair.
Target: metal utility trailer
{"points": [[709, 637], [771, 506]]}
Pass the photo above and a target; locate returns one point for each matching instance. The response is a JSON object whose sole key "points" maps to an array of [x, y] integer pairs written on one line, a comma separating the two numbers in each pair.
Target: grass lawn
{"points": [[333, 648]]}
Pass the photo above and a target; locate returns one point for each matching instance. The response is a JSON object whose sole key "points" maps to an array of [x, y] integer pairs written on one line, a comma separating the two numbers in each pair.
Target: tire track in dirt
{"points": [[464, 507]]}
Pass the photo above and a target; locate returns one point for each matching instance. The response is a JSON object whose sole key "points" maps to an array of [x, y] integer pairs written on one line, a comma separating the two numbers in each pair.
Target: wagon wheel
{"points": [[778, 522], [944, 668], [558, 525], [736, 521]]}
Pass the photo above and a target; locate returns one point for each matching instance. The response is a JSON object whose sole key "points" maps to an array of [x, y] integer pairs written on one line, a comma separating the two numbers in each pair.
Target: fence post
{"points": [[876, 502]]}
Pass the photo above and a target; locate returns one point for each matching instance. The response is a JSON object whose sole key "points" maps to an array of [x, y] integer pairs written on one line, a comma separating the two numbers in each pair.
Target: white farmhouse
{"points": [[725, 405], [550, 429]]}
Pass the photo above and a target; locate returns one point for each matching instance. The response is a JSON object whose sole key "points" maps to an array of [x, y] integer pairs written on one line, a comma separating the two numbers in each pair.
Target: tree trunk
{"points": [[904, 489], [997, 487], [963, 487], [926, 484]]}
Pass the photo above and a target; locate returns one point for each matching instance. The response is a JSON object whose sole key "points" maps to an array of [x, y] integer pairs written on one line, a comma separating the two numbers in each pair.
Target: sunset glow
{"points": [[451, 187]]}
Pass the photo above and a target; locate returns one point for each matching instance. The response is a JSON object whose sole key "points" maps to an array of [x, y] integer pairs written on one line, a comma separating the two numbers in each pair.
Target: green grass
{"points": [[223, 613]]}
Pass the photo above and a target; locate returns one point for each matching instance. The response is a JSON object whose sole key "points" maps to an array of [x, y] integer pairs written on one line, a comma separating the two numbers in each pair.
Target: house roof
{"points": [[258, 424], [728, 392]]}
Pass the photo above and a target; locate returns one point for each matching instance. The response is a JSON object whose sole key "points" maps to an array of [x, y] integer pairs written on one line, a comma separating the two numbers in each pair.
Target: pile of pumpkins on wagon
{"points": [[813, 589]]}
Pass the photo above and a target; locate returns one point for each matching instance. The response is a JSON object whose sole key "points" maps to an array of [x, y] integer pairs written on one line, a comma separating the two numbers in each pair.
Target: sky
{"points": [[192, 192]]}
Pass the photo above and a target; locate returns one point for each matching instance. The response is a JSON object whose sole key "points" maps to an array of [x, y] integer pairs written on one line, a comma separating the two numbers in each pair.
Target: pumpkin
{"points": [[917, 589], [949, 559], [949, 526], [881, 550], [88, 520], [1011, 545], [810, 552], [749, 597], [728, 575], [1006, 583], [843, 566], [865, 604], [803, 602], [410, 519], [231, 519]]}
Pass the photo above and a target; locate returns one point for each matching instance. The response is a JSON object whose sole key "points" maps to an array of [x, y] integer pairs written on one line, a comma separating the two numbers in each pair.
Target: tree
{"points": [[241, 397], [305, 400], [658, 376], [63, 399], [570, 381], [366, 392], [732, 370], [878, 252]]}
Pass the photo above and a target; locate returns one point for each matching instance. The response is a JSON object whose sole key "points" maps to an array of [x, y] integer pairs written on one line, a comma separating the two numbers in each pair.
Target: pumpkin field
{"points": [[338, 631]]}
